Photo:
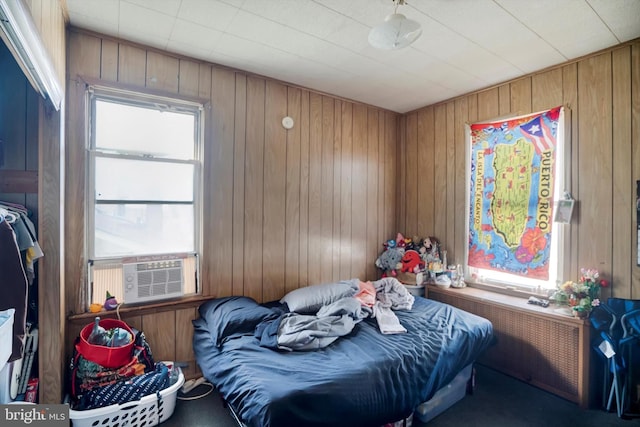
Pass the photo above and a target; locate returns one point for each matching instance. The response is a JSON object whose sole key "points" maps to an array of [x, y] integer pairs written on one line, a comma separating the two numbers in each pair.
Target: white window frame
{"points": [[505, 282], [145, 100]]}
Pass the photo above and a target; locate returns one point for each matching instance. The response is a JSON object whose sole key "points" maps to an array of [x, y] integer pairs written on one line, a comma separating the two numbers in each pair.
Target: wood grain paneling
{"points": [[622, 163], [602, 157], [275, 187], [325, 242], [410, 171], [218, 185], [237, 243], [109, 61], [359, 163], [132, 65], [315, 192], [337, 190], [324, 182], [634, 291], [281, 209], [254, 195], [371, 211], [346, 209], [595, 161], [425, 177], [162, 72], [160, 330], [538, 347], [292, 203]]}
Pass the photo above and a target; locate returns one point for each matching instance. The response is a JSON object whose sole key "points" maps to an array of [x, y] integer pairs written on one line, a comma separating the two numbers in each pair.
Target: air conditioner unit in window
{"points": [[152, 280]]}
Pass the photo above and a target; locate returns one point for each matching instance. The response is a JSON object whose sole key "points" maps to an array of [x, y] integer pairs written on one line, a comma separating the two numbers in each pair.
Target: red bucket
{"points": [[109, 357]]}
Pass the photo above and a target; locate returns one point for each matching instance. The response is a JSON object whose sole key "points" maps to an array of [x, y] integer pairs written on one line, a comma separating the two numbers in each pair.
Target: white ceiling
{"points": [[466, 45]]}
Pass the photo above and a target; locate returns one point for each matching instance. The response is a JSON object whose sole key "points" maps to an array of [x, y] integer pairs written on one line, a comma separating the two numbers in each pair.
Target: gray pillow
{"points": [[310, 298]]}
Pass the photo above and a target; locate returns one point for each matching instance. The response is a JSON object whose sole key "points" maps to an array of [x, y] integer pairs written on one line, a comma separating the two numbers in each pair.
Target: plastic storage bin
{"points": [[148, 411], [445, 397]]}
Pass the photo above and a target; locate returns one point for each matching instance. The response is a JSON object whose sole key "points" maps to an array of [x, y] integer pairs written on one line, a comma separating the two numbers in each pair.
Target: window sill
{"points": [[508, 290], [139, 309], [516, 303]]}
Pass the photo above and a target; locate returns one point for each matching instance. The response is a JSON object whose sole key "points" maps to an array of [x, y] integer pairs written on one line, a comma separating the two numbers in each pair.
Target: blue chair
{"points": [[618, 325]]}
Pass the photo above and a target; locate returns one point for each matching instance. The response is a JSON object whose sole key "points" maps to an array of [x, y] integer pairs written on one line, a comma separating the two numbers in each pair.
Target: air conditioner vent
{"points": [[154, 280]]}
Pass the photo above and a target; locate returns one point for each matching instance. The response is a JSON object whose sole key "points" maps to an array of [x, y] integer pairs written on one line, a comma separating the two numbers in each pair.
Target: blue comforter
{"points": [[363, 379]]}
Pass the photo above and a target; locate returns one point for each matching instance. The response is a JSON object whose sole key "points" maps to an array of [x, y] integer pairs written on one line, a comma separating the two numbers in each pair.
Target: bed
{"points": [[364, 378]]}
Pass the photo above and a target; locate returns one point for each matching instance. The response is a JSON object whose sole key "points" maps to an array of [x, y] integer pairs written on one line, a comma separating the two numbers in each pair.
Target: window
{"points": [[143, 186], [515, 172]]}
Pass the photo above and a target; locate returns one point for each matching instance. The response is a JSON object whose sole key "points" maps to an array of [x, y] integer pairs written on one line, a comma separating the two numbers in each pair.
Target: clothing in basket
{"points": [[126, 391]]}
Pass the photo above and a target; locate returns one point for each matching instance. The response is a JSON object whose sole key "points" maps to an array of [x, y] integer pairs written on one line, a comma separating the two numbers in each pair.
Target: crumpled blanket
{"points": [[391, 294], [301, 332]]}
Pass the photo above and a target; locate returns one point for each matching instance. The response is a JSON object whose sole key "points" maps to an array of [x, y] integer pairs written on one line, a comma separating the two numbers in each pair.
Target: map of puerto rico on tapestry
{"points": [[512, 180]]}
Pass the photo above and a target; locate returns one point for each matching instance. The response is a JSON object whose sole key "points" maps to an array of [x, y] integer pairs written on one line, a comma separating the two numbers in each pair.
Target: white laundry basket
{"points": [[148, 411], [6, 335]]}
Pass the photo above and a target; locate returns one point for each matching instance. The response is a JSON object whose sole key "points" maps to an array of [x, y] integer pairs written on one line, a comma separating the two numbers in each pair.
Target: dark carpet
{"points": [[498, 400]]}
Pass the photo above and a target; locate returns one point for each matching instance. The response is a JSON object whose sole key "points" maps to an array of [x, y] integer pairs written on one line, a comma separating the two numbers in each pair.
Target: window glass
{"points": [[152, 131], [128, 179], [135, 229]]}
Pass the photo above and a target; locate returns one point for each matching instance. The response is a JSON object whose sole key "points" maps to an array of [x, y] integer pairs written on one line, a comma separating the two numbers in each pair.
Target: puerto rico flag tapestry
{"points": [[511, 198]]}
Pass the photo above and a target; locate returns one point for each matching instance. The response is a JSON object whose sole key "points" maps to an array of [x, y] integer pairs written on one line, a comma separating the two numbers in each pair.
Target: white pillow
{"points": [[310, 298]]}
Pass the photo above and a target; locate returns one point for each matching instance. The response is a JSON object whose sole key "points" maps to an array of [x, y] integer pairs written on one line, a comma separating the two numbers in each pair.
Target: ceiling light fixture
{"points": [[395, 32]]}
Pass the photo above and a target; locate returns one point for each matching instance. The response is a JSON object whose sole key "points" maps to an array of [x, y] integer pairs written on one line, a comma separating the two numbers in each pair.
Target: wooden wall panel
{"points": [[602, 150], [337, 189], [546, 90], [239, 147], [634, 290], [315, 191], [254, 195], [218, 185], [275, 180], [162, 72], [160, 330], [371, 210], [132, 65], [595, 161], [424, 178], [521, 96], [346, 210], [184, 339], [326, 191], [109, 60], [305, 118], [504, 99], [381, 236], [461, 111], [623, 189], [410, 171], [449, 187], [488, 104], [439, 165], [391, 151], [359, 198], [189, 75], [292, 202]]}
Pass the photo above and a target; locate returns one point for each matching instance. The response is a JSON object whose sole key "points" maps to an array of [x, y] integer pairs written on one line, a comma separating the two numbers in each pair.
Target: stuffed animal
{"points": [[411, 262], [110, 302], [390, 258]]}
